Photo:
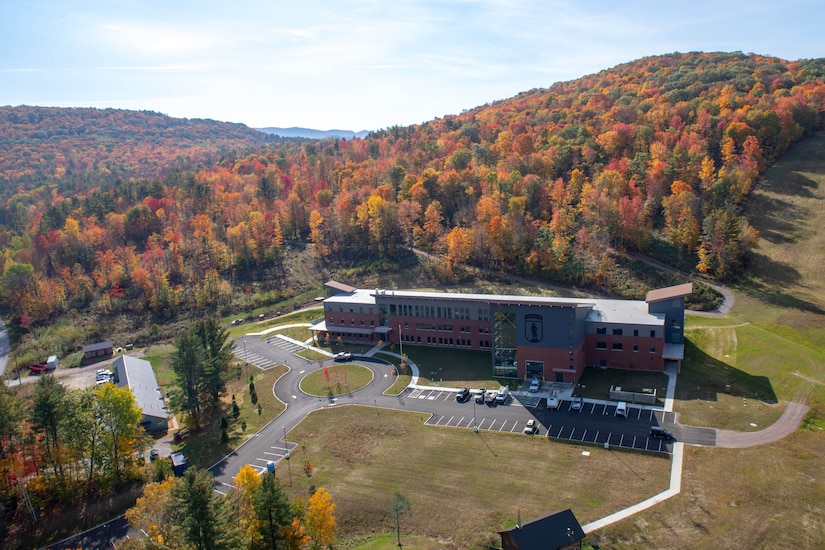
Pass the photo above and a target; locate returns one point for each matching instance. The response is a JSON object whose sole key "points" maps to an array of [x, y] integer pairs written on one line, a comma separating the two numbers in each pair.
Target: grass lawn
{"points": [[462, 486], [402, 380], [343, 378], [453, 368]]}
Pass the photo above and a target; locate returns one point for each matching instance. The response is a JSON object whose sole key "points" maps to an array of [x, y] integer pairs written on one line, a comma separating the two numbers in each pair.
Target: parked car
{"points": [[535, 384], [532, 427], [39, 368], [621, 409], [480, 396], [342, 356], [153, 455], [577, 403], [502, 394], [490, 397], [660, 433], [462, 395], [553, 403]]}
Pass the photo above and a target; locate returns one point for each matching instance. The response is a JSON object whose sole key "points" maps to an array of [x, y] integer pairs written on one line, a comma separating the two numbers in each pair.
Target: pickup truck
{"points": [[39, 368]]}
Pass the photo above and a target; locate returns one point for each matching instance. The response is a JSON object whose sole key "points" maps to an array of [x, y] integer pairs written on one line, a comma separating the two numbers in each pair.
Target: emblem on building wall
{"points": [[533, 327]]}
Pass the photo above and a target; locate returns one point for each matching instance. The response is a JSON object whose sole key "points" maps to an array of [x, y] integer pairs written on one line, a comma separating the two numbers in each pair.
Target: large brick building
{"points": [[555, 338]]}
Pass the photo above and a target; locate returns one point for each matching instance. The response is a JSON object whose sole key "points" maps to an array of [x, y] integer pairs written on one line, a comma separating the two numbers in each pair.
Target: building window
{"points": [[331, 321], [617, 346], [393, 309], [352, 321], [653, 334], [635, 347], [636, 332], [601, 345], [362, 322], [602, 362], [652, 349], [601, 330], [617, 332]]}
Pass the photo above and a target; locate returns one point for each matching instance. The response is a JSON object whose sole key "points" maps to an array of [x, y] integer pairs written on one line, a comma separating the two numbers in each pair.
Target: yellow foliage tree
{"points": [[153, 513], [320, 519], [247, 483]]}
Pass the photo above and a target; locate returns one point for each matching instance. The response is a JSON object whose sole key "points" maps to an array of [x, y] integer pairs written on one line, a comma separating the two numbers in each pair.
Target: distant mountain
{"points": [[313, 134]]}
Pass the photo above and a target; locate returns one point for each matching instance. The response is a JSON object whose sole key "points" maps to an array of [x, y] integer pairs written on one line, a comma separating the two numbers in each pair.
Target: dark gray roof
{"points": [[552, 531], [97, 347]]}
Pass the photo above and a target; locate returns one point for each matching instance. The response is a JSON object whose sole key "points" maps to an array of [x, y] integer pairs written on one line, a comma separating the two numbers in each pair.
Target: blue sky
{"points": [[357, 64]]}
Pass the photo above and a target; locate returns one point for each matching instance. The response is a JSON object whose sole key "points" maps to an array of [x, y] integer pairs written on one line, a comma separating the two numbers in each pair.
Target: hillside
{"points": [[658, 155], [41, 144]]}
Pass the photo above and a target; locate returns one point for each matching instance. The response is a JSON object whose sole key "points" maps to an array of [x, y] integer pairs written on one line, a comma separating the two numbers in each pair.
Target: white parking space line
{"points": [[273, 454], [593, 408], [571, 433], [460, 421], [450, 420]]}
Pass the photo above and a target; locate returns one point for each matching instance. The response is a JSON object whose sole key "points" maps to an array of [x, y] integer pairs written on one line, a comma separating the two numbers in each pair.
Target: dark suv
{"points": [[660, 433], [462, 395]]}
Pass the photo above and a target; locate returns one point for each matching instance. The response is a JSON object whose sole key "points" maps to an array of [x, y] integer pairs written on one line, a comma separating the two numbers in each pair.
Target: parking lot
{"points": [[595, 422]]}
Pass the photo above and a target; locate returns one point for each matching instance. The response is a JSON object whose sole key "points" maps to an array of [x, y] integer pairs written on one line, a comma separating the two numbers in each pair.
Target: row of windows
{"points": [[618, 346], [462, 342], [619, 332], [351, 322], [352, 309], [437, 312]]}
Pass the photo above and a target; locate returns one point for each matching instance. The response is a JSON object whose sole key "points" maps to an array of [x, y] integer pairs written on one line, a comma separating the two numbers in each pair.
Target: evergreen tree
{"points": [[217, 355], [273, 510], [205, 516], [46, 412]]}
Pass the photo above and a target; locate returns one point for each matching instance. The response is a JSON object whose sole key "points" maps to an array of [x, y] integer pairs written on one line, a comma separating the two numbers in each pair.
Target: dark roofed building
{"points": [[559, 530], [100, 349]]}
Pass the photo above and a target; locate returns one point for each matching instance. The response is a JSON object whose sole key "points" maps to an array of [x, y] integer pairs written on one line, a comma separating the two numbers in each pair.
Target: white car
{"points": [[532, 427], [577, 403], [553, 403], [535, 384]]}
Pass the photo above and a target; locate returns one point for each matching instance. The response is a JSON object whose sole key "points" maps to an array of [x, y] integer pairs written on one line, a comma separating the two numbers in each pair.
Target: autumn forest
{"points": [[134, 212]]}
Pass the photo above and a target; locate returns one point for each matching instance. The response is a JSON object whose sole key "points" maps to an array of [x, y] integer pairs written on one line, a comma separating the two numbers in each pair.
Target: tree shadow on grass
{"points": [[773, 279], [705, 377]]}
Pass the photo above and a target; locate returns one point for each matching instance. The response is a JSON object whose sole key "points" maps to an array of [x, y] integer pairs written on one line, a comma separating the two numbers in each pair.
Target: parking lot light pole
{"points": [[287, 457], [475, 426], [400, 340]]}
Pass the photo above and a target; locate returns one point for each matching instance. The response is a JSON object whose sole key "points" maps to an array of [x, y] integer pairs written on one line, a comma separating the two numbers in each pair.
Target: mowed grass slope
{"points": [[772, 344], [462, 486]]}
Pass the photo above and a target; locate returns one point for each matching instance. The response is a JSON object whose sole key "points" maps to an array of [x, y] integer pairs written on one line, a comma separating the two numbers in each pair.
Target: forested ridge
{"points": [[656, 154]]}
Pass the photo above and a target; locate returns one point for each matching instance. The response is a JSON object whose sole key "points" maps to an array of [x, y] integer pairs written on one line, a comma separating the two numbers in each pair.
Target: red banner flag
{"points": [[326, 373]]}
